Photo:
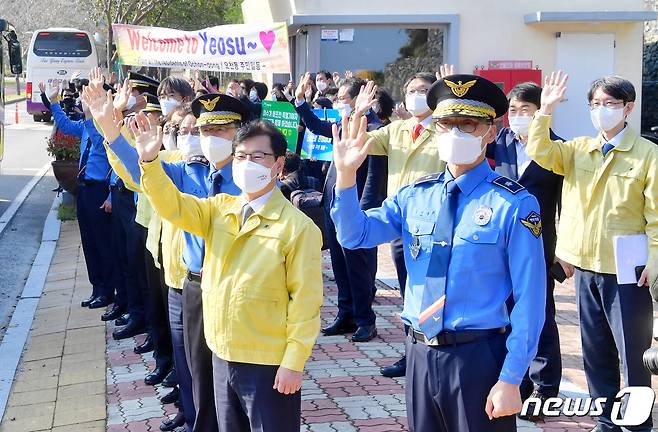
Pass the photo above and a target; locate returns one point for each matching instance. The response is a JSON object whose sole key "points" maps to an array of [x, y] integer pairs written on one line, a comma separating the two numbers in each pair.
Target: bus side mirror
{"points": [[15, 61]]}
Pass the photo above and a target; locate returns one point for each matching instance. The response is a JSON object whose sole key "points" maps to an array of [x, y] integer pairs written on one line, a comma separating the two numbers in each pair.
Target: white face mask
{"points": [[459, 148], [168, 105], [189, 145], [169, 141], [345, 109], [520, 124], [416, 104], [321, 85], [605, 119], [216, 149], [251, 177], [253, 95], [132, 101]]}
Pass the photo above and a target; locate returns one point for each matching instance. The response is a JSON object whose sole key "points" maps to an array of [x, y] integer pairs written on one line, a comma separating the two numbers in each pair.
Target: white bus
{"points": [[56, 53]]}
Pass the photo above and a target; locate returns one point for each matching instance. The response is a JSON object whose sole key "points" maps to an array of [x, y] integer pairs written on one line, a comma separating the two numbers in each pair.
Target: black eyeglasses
{"points": [[256, 156]]}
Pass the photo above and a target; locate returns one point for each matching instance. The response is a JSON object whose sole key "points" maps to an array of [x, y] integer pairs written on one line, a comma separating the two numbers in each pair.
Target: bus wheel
{"points": [[37, 117]]}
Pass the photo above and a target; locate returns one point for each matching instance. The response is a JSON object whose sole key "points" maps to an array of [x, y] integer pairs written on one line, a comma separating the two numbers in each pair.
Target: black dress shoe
{"points": [[147, 346], [113, 313], [157, 376], [129, 330], [364, 333], [100, 302], [122, 320], [172, 423], [170, 380], [339, 326], [87, 302], [397, 369], [170, 397]]}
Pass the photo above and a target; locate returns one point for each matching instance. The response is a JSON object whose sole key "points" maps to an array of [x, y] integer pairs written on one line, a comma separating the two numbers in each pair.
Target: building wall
{"points": [[487, 32]]}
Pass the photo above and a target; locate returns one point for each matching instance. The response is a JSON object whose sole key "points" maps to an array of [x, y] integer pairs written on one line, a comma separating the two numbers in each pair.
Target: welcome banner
{"points": [[227, 48]]}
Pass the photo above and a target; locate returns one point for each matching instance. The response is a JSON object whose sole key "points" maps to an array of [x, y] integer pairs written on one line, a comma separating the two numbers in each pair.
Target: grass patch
{"points": [[66, 212]]}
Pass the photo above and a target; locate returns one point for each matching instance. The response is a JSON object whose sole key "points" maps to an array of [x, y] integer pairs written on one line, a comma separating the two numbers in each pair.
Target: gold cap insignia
{"points": [[459, 89], [209, 105]]}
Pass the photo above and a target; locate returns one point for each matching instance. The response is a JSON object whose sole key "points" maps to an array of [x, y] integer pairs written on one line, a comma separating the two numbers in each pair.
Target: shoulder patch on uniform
{"points": [[198, 159], [533, 223], [508, 184], [428, 178]]}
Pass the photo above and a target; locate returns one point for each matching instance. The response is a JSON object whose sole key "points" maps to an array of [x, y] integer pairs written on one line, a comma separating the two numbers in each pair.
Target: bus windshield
{"points": [[62, 44]]}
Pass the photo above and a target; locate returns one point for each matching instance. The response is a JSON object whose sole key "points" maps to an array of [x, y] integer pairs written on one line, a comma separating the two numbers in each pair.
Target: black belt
{"points": [[89, 182], [120, 188], [455, 337], [193, 277]]}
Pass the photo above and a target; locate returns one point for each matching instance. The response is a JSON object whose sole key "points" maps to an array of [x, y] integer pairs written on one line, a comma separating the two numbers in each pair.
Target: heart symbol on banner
{"points": [[267, 39]]}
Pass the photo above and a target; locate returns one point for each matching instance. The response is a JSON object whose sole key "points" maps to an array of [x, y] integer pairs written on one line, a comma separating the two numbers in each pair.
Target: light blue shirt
{"points": [[494, 254], [98, 168], [192, 177]]}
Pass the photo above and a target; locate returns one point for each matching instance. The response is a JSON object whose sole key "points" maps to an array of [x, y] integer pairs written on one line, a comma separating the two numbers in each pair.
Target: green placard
{"points": [[284, 117]]}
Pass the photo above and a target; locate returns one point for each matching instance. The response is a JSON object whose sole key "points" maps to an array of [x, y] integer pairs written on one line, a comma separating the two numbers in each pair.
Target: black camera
{"points": [[650, 356]]}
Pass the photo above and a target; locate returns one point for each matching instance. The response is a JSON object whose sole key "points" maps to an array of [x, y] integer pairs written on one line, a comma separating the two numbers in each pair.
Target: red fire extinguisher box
{"points": [[508, 73]]}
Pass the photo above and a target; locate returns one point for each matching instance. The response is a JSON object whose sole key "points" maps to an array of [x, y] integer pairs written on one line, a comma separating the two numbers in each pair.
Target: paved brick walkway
{"points": [[60, 383]]}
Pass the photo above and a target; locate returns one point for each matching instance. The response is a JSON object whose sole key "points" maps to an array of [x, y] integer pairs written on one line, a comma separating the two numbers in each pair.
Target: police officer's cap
{"points": [[152, 103], [466, 96], [218, 109], [143, 83]]}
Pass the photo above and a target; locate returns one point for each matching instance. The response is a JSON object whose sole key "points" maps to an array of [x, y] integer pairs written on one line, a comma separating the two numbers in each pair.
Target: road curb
{"points": [[7, 216], [13, 101], [19, 327]]}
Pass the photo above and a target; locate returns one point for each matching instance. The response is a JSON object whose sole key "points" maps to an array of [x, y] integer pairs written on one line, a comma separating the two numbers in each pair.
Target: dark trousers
{"points": [[397, 253], [128, 245], [447, 387], [95, 228], [615, 321], [545, 371], [155, 300], [199, 358], [246, 401], [354, 271], [183, 375]]}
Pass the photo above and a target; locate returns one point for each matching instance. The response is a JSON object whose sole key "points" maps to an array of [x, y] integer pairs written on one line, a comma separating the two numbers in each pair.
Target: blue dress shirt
{"points": [[492, 256], [194, 178], [98, 168]]}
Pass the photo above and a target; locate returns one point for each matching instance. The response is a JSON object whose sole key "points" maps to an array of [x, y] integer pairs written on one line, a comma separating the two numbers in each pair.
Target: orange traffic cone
{"points": [[16, 118]]}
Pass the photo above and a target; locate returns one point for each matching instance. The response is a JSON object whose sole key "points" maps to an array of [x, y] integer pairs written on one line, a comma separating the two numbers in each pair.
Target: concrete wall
{"points": [[489, 30]]}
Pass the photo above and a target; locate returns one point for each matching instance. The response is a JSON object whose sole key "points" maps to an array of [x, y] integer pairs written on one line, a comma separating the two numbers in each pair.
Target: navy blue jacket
{"points": [[370, 177], [545, 185]]}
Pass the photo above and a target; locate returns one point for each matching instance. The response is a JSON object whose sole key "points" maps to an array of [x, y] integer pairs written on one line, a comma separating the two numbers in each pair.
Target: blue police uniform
{"points": [[448, 382], [94, 223]]}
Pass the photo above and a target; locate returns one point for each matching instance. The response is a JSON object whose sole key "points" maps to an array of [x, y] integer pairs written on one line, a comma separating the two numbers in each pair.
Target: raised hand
{"points": [[96, 76], [445, 70], [300, 93], [555, 85], [99, 103], [366, 99], [350, 150], [148, 139], [113, 78], [53, 90], [121, 98], [401, 111]]}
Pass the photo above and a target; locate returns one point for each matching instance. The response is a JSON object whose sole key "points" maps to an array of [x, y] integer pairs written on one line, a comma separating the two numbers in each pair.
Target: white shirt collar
{"points": [[259, 202], [426, 121], [617, 138]]}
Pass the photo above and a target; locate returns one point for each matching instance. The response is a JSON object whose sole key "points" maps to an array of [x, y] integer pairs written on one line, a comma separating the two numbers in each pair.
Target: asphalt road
{"points": [[25, 155]]}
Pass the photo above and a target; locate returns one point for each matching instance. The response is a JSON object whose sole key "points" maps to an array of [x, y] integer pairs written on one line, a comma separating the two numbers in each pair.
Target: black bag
{"points": [[309, 201]]}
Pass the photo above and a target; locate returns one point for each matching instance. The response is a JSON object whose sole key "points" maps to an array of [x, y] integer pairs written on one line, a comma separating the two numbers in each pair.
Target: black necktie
{"points": [[216, 179]]}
